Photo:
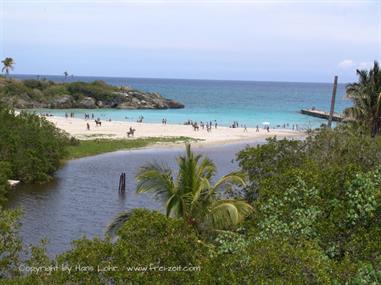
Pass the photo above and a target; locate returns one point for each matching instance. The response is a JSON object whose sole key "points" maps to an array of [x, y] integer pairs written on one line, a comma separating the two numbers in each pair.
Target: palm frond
{"points": [[227, 213], [117, 223], [231, 179], [174, 207], [157, 179]]}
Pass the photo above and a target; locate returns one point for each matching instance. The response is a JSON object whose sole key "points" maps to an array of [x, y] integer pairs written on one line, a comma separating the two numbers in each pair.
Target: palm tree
{"points": [[366, 98], [191, 196], [8, 63]]}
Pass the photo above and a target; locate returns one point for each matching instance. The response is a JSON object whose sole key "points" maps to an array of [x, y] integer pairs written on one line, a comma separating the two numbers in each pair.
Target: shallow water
{"points": [[248, 102], [84, 198]]}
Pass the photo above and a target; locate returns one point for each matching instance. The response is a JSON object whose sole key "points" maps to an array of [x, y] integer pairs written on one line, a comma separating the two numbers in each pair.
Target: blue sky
{"points": [[216, 39]]}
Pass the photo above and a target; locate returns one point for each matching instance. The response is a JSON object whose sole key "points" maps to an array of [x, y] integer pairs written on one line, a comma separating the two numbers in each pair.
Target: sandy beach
{"points": [[116, 129]]}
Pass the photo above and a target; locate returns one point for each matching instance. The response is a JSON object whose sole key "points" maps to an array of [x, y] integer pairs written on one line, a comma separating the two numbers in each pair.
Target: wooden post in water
{"points": [[122, 182], [333, 98]]}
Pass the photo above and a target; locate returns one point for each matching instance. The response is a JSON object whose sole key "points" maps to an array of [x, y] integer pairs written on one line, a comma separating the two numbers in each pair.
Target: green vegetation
{"points": [[366, 98], [84, 148], [46, 93], [36, 93], [30, 148], [10, 243]]}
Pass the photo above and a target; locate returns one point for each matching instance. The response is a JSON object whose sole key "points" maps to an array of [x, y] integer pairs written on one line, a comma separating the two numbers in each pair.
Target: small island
{"points": [[33, 93]]}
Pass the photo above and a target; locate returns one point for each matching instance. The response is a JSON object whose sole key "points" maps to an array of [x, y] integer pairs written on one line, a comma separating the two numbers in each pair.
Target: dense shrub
{"points": [[30, 147], [10, 244], [333, 155], [12, 90], [150, 249], [97, 90], [325, 190]]}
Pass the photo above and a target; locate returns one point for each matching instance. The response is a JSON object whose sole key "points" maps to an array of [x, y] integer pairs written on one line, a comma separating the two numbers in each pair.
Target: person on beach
{"points": [[257, 130], [131, 132], [88, 126], [245, 129]]}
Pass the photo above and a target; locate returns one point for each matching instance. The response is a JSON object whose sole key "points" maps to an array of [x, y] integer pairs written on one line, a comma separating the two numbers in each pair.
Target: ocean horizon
{"points": [[249, 103]]}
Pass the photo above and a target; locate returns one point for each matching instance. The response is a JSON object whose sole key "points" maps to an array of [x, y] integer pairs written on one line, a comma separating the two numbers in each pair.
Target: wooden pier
{"points": [[321, 114]]}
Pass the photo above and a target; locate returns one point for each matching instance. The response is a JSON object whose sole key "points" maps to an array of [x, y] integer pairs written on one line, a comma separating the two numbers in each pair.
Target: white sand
{"points": [[115, 129]]}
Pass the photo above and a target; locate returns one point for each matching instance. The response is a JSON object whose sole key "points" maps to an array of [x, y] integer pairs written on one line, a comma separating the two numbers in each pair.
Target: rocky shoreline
{"points": [[29, 94], [127, 100]]}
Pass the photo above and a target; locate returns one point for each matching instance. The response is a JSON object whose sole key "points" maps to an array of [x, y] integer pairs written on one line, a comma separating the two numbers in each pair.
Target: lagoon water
{"points": [[84, 198], [247, 102]]}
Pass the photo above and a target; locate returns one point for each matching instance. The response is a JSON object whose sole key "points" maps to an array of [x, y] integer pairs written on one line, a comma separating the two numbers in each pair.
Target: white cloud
{"points": [[346, 63]]}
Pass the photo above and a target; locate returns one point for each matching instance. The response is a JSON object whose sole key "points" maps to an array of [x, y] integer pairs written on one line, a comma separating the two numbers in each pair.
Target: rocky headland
{"points": [[27, 94]]}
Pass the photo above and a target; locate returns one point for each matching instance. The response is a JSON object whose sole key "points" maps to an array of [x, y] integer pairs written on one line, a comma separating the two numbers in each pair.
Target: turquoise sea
{"points": [[248, 102]]}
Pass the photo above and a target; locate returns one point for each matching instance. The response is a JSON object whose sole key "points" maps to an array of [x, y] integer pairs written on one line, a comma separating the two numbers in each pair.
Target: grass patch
{"points": [[97, 146]]}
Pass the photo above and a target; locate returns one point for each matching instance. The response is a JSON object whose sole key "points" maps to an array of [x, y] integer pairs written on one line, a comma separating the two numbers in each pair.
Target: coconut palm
{"points": [[191, 195], [8, 63], [366, 98]]}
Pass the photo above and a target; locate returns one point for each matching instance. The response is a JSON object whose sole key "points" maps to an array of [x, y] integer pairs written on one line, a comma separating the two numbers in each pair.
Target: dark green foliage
{"points": [[98, 90], [268, 161], [38, 84], [334, 156], [43, 91], [149, 245], [5, 173], [167, 242], [30, 147], [10, 244], [325, 190], [366, 97]]}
